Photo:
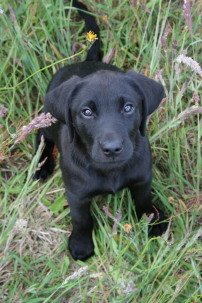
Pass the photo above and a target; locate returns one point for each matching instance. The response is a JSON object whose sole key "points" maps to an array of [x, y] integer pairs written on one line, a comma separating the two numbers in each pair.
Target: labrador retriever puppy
{"points": [[101, 138]]}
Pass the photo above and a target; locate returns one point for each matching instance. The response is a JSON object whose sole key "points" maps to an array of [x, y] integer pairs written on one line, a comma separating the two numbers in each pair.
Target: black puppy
{"points": [[100, 134]]}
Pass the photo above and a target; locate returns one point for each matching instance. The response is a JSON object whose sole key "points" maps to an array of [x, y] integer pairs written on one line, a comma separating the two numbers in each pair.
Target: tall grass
{"points": [[35, 265]]}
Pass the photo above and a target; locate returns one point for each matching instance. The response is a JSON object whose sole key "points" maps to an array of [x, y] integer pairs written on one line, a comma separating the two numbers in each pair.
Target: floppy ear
{"points": [[58, 101], [152, 93]]}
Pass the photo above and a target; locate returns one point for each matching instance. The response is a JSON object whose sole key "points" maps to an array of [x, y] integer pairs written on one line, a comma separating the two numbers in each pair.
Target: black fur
{"points": [[100, 135]]}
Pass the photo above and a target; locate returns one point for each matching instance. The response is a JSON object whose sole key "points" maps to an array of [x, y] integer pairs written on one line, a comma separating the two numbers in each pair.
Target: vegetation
{"points": [[35, 265]]}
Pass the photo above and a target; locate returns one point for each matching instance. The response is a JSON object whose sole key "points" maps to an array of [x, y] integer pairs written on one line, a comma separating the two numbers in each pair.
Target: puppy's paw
{"points": [[158, 224], [43, 172], [81, 248]]}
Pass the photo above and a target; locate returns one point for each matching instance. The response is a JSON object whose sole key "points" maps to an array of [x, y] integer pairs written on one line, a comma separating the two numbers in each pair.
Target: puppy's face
{"points": [[106, 115], [105, 111]]}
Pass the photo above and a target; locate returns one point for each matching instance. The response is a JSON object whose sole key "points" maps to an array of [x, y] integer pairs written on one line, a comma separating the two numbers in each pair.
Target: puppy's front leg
{"points": [[46, 156], [141, 194], [80, 242]]}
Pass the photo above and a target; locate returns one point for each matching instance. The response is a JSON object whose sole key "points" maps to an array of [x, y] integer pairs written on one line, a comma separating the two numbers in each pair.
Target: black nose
{"points": [[112, 148]]}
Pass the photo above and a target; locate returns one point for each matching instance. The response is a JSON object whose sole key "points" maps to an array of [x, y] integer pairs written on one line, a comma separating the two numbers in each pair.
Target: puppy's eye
{"points": [[87, 112], [128, 108]]}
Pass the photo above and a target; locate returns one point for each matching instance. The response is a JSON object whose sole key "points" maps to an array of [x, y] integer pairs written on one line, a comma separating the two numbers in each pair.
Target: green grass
{"points": [[34, 225]]}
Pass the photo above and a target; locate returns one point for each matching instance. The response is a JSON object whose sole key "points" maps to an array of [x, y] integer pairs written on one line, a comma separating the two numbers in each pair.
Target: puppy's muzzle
{"points": [[112, 148]]}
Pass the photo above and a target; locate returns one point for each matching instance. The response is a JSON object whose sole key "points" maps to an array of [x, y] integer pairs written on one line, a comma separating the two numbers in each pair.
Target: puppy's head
{"points": [[105, 110]]}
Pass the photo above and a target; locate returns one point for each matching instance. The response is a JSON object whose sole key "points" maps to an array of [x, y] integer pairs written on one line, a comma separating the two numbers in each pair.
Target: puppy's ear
{"points": [[152, 93], [58, 103]]}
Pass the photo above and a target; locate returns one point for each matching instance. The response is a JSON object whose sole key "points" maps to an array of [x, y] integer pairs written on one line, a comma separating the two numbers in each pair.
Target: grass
{"points": [[35, 265]]}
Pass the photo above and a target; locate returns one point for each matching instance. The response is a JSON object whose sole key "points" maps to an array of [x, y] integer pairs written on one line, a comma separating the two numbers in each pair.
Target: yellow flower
{"points": [[91, 36], [127, 227]]}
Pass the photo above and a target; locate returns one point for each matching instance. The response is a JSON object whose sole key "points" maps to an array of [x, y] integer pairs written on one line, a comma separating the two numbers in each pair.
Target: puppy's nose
{"points": [[112, 148]]}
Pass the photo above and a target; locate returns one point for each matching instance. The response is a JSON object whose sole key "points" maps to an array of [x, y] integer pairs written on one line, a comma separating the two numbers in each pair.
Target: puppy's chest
{"points": [[112, 183], [107, 184]]}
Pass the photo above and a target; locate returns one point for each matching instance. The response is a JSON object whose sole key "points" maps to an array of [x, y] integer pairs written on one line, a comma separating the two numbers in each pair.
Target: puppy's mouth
{"points": [[109, 164], [117, 159]]}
